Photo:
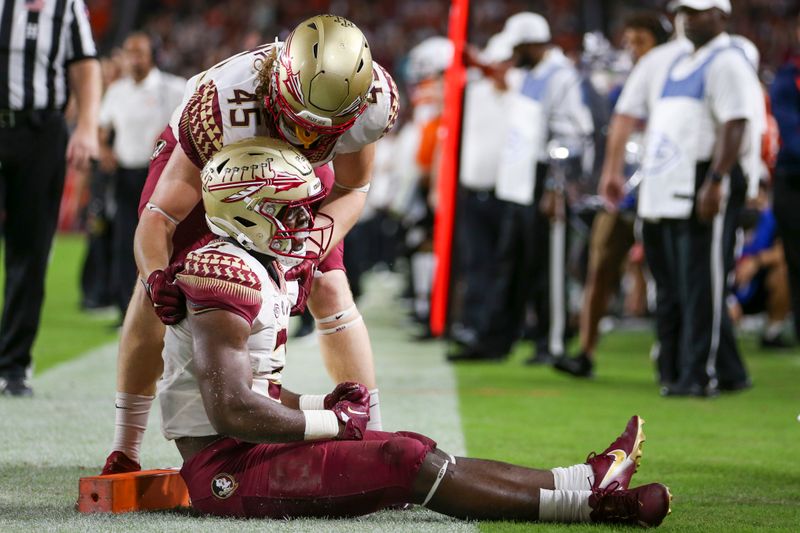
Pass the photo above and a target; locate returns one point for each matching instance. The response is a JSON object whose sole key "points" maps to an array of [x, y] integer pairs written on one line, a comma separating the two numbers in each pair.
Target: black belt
{"points": [[17, 118]]}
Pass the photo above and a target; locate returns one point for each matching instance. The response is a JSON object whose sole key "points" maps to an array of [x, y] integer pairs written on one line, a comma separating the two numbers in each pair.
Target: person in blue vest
{"points": [[701, 99], [785, 96], [544, 105]]}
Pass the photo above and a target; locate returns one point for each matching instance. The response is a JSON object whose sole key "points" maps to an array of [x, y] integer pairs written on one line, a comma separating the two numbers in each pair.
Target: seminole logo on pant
{"points": [[223, 485]]}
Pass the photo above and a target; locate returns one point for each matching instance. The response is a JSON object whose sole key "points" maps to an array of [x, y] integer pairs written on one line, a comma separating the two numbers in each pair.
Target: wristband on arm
{"points": [[320, 424], [715, 177], [312, 402]]}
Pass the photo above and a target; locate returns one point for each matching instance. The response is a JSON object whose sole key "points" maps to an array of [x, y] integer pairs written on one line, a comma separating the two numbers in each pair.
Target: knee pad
{"points": [[325, 325]]}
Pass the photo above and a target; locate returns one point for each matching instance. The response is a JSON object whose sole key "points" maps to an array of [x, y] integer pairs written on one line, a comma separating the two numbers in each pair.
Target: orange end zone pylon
{"points": [[447, 178], [148, 490]]}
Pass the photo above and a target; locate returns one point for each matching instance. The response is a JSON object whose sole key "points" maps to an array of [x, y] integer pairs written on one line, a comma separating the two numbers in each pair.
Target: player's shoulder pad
{"points": [[378, 118], [200, 126], [383, 79], [221, 275]]}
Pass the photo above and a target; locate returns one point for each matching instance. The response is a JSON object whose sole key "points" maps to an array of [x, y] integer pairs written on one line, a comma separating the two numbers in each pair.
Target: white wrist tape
{"points": [[153, 207], [320, 424], [311, 402], [363, 188]]}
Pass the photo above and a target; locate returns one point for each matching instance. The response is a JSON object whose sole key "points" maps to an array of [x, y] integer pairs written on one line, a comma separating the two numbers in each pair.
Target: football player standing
{"points": [[319, 91]]}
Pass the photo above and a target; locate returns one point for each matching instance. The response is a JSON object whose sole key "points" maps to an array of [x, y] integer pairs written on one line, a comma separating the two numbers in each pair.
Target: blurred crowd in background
{"points": [[194, 34], [190, 36]]}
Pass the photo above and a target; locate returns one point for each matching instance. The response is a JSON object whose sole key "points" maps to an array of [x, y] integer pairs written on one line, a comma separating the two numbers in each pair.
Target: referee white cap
{"points": [[702, 5], [526, 27]]}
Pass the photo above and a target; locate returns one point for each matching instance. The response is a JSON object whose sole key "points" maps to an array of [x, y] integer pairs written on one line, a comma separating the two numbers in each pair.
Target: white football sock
{"points": [[375, 423], [132, 412], [564, 505], [576, 477]]}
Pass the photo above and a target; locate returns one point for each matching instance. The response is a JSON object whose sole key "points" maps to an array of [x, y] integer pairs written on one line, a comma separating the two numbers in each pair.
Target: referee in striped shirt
{"points": [[46, 53]]}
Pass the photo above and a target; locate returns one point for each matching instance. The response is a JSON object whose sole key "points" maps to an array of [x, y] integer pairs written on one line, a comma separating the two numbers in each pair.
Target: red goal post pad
{"points": [[146, 490]]}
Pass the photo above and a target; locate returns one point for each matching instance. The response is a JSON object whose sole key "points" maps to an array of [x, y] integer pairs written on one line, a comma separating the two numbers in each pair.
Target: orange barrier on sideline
{"points": [[148, 490], [444, 222]]}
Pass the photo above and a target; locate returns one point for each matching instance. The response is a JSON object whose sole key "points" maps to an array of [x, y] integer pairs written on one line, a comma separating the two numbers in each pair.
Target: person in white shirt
{"points": [[700, 96], [136, 108], [612, 233], [484, 131], [544, 104]]}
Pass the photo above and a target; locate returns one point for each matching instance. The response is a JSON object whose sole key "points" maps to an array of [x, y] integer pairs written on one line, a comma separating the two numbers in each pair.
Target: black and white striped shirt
{"points": [[38, 40]]}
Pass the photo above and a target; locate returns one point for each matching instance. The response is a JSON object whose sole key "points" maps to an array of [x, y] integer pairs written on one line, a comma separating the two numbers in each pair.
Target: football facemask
{"points": [[259, 191]]}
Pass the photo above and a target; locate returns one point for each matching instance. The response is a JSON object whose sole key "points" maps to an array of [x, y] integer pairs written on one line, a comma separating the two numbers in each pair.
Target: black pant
{"points": [[32, 167], [526, 278], [786, 206], [690, 263], [96, 271], [128, 184], [479, 219]]}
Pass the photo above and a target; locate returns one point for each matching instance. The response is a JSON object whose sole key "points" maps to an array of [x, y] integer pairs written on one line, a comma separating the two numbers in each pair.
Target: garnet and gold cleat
{"points": [[621, 459], [119, 463], [644, 506]]}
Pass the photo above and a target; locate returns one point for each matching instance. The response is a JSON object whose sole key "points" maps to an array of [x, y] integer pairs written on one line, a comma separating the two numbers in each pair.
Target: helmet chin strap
{"points": [[223, 228]]}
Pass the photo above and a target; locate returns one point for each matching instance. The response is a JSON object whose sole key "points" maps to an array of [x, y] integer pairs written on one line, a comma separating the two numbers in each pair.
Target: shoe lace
{"points": [[625, 505]]}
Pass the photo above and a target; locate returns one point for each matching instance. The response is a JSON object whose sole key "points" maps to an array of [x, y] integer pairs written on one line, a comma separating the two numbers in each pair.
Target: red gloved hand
{"points": [[353, 418], [304, 275], [349, 391], [168, 300]]}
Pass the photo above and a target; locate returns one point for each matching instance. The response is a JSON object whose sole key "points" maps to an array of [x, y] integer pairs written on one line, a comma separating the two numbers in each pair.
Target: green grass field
{"points": [[731, 462]]}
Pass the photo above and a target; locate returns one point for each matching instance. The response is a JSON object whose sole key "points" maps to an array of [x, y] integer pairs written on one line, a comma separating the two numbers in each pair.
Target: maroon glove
{"points": [[304, 275], [168, 300], [349, 391], [354, 416]]}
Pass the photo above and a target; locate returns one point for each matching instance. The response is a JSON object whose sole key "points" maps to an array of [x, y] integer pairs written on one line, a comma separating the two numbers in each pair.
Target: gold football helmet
{"points": [[259, 191], [321, 79]]}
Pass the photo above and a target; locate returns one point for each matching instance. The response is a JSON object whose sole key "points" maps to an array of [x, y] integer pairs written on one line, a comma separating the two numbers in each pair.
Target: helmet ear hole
{"points": [[244, 222]]}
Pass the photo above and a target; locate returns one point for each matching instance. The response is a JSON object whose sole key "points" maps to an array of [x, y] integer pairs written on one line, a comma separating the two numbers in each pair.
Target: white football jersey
{"points": [[222, 106], [223, 276]]}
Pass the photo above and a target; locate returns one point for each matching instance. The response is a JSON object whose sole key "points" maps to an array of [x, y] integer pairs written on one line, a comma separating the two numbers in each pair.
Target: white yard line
{"points": [[63, 433]]}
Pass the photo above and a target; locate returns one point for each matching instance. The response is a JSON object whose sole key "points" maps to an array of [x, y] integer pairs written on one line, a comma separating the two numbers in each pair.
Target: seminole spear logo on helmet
{"points": [[260, 192], [260, 175], [322, 77]]}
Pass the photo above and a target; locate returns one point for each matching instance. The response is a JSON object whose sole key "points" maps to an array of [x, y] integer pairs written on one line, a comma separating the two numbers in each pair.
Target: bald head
{"points": [[139, 52]]}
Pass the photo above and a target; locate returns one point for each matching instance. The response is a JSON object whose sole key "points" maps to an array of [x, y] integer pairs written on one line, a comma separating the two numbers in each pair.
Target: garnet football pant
{"points": [[332, 478]]}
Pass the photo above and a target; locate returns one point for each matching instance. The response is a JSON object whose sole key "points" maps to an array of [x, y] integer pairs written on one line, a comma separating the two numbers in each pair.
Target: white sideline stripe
{"points": [[65, 430], [717, 284], [556, 272]]}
